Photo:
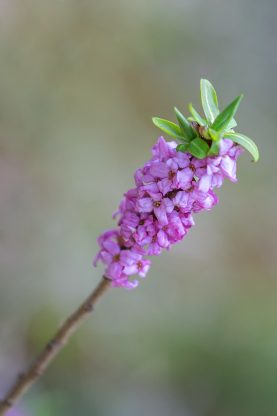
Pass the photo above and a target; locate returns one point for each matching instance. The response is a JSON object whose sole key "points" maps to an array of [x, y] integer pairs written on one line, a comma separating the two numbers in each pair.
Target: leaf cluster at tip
{"points": [[201, 136]]}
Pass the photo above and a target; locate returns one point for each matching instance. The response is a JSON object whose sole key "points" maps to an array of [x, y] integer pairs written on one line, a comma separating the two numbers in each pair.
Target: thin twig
{"points": [[25, 380]]}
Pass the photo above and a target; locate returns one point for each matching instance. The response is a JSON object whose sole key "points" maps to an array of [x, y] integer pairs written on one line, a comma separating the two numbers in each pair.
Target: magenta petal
{"points": [[210, 200], [154, 249], [187, 221], [150, 188], [111, 247], [235, 152], [114, 271], [205, 183], [148, 179], [161, 149], [182, 159], [181, 199], [228, 167], [138, 177], [172, 164], [124, 282], [184, 178], [131, 219], [168, 205], [130, 285], [156, 196], [165, 186], [144, 205], [129, 270], [160, 213], [128, 257], [106, 257], [145, 266], [107, 235], [225, 146], [217, 180], [162, 239], [159, 170]]}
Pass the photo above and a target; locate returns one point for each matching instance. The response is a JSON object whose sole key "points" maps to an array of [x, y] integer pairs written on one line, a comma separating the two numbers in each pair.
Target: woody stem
{"points": [[53, 347]]}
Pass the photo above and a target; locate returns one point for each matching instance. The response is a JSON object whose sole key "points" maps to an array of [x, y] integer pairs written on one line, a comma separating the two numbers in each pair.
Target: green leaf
{"points": [[182, 148], [224, 118], [209, 100], [168, 127], [245, 142], [198, 148], [214, 135], [232, 124], [196, 116], [185, 126], [214, 149]]}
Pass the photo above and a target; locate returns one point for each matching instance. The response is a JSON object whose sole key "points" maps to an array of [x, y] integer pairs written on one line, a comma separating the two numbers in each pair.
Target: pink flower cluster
{"points": [[157, 213]]}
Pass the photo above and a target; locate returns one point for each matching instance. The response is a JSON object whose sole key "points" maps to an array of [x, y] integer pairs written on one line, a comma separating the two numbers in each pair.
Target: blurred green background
{"points": [[79, 83]]}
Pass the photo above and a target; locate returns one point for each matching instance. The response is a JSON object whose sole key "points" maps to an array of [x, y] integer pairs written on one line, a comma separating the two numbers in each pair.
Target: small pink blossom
{"points": [[141, 268], [157, 204]]}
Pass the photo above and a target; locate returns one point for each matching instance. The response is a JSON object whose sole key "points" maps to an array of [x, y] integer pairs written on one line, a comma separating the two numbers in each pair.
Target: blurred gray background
{"points": [[79, 83]]}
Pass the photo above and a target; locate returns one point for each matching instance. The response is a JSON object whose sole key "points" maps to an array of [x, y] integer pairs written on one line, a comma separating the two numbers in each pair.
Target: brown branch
{"points": [[25, 381]]}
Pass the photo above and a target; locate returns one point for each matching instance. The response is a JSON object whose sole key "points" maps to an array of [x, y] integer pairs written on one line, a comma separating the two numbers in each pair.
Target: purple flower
{"points": [[182, 201], [157, 213], [173, 232], [217, 168], [123, 281], [157, 204], [118, 259], [154, 248], [159, 170], [141, 268], [205, 201], [163, 150]]}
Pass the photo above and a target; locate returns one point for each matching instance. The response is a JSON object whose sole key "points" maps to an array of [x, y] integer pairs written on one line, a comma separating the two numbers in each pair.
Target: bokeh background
{"points": [[79, 83]]}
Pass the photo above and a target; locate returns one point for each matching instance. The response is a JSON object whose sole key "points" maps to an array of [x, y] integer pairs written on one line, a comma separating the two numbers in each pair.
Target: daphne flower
{"points": [[141, 268], [156, 203], [171, 233], [124, 281], [174, 184], [157, 212], [163, 150], [154, 248]]}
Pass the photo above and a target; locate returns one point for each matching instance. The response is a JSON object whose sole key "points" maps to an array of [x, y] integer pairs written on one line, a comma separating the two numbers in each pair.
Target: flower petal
{"points": [[205, 183], [160, 213], [144, 205], [159, 170]]}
